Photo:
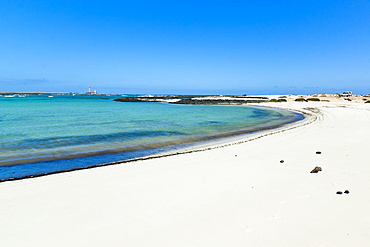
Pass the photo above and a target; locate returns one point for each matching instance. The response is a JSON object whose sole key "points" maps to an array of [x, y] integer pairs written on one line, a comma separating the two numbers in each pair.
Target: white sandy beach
{"points": [[238, 195]]}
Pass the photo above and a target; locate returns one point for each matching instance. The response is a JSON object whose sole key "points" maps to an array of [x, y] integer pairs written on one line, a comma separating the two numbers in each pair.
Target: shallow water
{"points": [[42, 134]]}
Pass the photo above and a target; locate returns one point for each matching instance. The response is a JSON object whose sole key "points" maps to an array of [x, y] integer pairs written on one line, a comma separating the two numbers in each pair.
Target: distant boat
{"points": [[50, 96]]}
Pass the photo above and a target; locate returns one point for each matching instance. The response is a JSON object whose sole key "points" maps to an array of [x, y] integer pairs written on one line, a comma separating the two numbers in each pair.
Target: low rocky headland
{"points": [[196, 100], [240, 100]]}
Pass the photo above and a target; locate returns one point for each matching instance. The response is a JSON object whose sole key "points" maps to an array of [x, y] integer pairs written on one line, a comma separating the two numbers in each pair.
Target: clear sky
{"points": [[185, 47]]}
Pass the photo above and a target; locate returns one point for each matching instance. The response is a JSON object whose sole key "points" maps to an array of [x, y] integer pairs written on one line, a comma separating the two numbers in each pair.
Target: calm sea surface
{"points": [[48, 133]]}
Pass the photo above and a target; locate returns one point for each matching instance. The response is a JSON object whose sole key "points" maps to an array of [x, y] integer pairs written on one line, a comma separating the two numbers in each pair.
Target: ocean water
{"points": [[48, 133]]}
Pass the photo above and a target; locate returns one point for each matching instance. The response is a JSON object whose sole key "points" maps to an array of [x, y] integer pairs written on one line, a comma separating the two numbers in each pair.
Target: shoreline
{"points": [[214, 142], [235, 139], [237, 195]]}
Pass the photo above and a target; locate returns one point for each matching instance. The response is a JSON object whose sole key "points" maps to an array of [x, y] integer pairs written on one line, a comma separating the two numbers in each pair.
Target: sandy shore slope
{"points": [[239, 195]]}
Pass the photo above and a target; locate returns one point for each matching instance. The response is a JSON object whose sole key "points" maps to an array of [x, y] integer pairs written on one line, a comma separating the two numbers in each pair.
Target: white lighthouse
{"points": [[89, 91]]}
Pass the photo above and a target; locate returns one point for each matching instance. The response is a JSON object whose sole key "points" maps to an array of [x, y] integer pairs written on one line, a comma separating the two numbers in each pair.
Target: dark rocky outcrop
{"points": [[146, 99], [217, 101], [191, 100]]}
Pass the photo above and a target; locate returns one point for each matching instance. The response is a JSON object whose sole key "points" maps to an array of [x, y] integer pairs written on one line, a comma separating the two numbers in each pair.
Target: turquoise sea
{"points": [[48, 133]]}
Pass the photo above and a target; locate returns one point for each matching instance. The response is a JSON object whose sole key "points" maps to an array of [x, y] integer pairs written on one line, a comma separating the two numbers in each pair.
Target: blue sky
{"points": [[185, 47]]}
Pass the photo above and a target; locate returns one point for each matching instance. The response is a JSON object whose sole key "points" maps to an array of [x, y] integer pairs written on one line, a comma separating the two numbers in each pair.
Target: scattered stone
{"points": [[346, 191], [316, 169], [339, 192], [281, 161], [318, 152]]}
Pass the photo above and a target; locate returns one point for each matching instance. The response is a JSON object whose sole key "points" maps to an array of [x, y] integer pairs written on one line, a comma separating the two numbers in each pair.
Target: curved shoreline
{"points": [[217, 142], [258, 193]]}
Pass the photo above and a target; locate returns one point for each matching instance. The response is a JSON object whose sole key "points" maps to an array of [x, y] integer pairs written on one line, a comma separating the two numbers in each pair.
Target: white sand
{"points": [[211, 198]]}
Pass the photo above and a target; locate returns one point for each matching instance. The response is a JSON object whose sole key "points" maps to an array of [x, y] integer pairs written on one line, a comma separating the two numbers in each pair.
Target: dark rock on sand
{"points": [[339, 192], [346, 191], [318, 152], [316, 169], [281, 161]]}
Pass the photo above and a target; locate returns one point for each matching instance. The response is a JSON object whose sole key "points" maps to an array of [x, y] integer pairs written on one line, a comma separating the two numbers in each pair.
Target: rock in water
{"points": [[316, 169]]}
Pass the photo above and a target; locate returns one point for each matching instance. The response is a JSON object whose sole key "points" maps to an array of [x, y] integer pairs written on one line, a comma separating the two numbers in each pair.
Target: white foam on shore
{"points": [[237, 195]]}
